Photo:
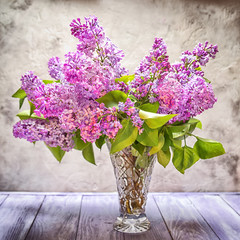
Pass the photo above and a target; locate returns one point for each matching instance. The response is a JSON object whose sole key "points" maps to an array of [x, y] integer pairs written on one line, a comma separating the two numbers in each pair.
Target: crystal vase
{"points": [[133, 174]]}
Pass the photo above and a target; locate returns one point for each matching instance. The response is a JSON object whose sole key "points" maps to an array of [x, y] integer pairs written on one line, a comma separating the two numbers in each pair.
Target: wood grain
{"points": [[17, 214], [224, 221], [2, 198], [233, 200], [173, 216], [57, 219], [182, 219], [158, 228], [98, 214]]}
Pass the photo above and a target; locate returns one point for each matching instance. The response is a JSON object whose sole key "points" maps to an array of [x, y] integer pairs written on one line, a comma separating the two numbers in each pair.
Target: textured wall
{"points": [[32, 31]]}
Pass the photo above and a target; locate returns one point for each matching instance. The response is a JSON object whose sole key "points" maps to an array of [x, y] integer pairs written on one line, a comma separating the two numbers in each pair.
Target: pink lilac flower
{"points": [[109, 122], [169, 94], [68, 120], [94, 119]]}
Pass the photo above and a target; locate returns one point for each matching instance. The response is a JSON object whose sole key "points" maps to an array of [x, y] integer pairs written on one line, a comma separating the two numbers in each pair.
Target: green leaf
{"points": [[21, 101], [19, 94], [139, 147], [134, 152], [194, 121], [111, 99], [159, 146], [125, 136], [207, 148], [26, 115], [149, 137], [132, 98], [178, 159], [206, 80], [180, 130], [167, 141], [100, 141], [150, 107], [125, 79], [184, 158], [198, 69], [164, 157], [32, 107], [155, 120], [57, 152], [50, 81], [79, 143], [176, 143], [142, 161], [88, 153]]}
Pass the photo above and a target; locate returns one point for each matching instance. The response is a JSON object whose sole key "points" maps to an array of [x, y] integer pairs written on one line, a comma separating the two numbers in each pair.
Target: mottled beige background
{"points": [[32, 31]]}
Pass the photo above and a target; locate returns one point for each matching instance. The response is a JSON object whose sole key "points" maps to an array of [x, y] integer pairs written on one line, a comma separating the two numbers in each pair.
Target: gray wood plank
{"points": [[17, 214], [57, 219], [233, 200], [2, 198], [97, 216], [224, 221], [158, 228], [183, 220]]}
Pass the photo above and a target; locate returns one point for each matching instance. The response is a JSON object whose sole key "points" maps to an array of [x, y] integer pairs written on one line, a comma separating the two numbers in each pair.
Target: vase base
{"points": [[132, 224]]}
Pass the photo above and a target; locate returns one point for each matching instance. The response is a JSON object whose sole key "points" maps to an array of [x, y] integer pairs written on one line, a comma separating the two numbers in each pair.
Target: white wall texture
{"points": [[32, 31]]}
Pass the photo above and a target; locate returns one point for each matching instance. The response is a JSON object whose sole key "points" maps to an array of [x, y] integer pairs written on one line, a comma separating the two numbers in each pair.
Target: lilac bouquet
{"points": [[93, 98]]}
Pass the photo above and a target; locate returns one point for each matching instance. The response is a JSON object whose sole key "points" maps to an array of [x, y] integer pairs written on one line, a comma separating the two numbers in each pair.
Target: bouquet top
{"points": [[92, 98]]}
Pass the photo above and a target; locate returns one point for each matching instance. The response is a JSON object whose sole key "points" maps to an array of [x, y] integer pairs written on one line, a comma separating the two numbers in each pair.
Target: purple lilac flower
{"points": [[204, 52], [89, 77], [41, 130], [200, 96], [55, 99], [33, 86], [152, 70], [110, 123], [31, 129], [55, 67], [90, 72], [89, 34], [94, 44], [132, 113]]}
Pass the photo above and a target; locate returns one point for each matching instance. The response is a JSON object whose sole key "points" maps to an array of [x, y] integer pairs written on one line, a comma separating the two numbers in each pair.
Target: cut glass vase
{"points": [[133, 174]]}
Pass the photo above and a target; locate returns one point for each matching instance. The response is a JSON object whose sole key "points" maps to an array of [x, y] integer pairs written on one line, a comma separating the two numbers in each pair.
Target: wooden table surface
{"points": [[89, 216]]}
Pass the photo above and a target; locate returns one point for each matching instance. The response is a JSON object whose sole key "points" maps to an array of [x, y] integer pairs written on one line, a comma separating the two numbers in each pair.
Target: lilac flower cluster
{"points": [[93, 43], [41, 130], [152, 70], [55, 68], [131, 112], [84, 76], [94, 119], [69, 103], [179, 88]]}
